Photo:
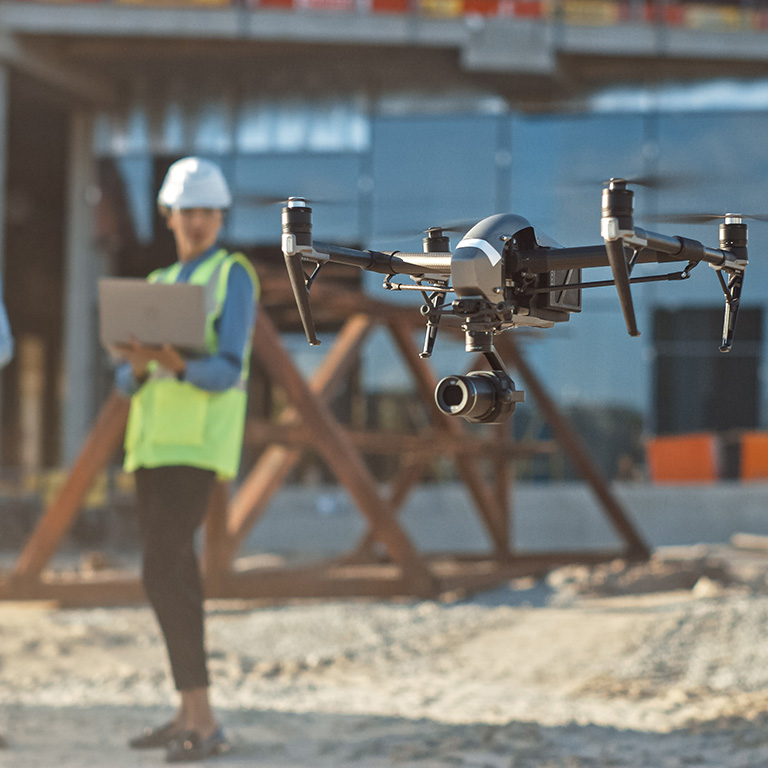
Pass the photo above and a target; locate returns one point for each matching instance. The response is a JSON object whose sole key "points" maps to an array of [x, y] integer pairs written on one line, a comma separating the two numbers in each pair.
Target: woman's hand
{"points": [[140, 355], [170, 359]]}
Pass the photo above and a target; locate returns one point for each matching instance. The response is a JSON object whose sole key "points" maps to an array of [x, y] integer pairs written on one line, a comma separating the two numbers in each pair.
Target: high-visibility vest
{"points": [[173, 422]]}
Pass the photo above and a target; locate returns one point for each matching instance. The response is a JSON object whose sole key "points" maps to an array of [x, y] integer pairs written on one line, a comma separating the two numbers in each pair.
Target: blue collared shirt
{"points": [[222, 370], [6, 337]]}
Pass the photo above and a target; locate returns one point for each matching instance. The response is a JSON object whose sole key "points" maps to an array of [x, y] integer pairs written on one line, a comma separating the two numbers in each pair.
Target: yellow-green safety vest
{"points": [[173, 422]]}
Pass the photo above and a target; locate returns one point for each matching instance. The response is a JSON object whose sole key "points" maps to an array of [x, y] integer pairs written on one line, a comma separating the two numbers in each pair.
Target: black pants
{"points": [[172, 502]]}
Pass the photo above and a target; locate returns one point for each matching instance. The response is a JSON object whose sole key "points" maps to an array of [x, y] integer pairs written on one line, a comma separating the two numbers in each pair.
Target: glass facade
{"points": [[381, 172]]}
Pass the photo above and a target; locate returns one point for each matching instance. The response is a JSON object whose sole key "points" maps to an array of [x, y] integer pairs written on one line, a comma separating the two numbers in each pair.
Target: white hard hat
{"points": [[194, 183]]}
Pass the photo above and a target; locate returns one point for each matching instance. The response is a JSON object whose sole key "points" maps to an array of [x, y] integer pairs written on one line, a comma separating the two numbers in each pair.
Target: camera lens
{"points": [[480, 396], [453, 395]]}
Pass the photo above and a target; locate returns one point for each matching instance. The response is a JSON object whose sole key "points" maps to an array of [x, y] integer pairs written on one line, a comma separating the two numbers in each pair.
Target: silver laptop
{"points": [[152, 313]]}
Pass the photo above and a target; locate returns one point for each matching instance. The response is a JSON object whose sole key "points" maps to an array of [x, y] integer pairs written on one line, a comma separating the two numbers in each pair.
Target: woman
{"points": [[184, 431]]}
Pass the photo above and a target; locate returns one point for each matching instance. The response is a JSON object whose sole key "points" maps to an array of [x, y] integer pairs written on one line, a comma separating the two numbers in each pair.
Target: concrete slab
{"points": [[547, 516]]}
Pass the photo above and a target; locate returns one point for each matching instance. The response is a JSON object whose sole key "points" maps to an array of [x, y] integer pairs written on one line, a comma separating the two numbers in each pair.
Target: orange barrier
{"points": [[481, 7], [692, 458], [754, 456], [529, 9]]}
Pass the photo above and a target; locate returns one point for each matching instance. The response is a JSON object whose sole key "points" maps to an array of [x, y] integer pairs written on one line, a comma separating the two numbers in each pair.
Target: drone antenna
{"points": [[617, 207]]}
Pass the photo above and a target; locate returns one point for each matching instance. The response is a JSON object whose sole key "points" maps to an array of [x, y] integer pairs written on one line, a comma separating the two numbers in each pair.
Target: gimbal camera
{"points": [[506, 274]]}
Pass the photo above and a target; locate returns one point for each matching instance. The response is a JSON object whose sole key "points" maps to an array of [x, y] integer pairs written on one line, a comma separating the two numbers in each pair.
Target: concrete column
{"points": [[5, 93], [80, 298]]}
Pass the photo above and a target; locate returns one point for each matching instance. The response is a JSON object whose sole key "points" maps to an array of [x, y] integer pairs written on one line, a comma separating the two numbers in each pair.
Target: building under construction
{"points": [[395, 115]]}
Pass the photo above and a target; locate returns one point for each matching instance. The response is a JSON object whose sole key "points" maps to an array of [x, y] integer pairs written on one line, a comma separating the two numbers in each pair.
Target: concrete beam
{"points": [[233, 23], [646, 41], [48, 69], [744, 46], [523, 46], [543, 59], [471, 34], [624, 40]]}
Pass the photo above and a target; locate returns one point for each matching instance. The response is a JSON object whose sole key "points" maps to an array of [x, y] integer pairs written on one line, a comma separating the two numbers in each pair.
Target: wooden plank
{"points": [[125, 589], [340, 455], [576, 450], [100, 445], [389, 582], [430, 443], [453, 574]]}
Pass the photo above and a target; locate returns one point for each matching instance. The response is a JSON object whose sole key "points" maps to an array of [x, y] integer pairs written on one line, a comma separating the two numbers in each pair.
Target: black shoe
{"points": [[188, 746], [151, 738]]}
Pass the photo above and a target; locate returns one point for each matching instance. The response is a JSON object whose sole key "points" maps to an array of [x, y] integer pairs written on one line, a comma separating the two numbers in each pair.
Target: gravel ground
{"points": [[561, 673]]}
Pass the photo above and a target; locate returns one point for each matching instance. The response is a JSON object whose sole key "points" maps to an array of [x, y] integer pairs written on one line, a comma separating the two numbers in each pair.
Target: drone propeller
{"points": [[664, 181], [703, 218], [459, 226], [266, 201], [651, 181]]}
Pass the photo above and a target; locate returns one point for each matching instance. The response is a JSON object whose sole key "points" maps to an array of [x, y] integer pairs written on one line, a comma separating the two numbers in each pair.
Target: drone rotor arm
{"points": [[387, 262], [650, 251], [676, 248], [433, 263]]}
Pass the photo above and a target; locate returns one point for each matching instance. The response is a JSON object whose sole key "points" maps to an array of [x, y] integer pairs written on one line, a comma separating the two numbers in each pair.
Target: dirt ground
{"points": [[659, 665]]}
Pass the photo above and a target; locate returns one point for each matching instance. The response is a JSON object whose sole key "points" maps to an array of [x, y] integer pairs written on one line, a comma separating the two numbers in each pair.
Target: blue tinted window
{"points": [[330, 181], [431, 170]]}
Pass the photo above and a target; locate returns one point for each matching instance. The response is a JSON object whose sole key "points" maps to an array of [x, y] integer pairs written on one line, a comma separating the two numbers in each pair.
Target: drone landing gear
{"points": [[732, 290]]}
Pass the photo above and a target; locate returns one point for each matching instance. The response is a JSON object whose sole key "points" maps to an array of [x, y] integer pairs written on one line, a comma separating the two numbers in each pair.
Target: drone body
{"points": [[483, 266], [504, 274]]}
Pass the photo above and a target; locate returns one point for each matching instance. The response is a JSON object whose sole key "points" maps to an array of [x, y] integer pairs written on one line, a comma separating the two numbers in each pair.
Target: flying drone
{"points": [[504, 273]]}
